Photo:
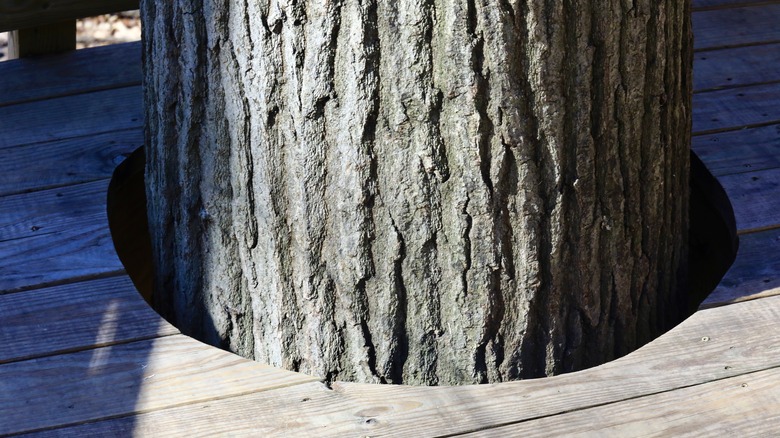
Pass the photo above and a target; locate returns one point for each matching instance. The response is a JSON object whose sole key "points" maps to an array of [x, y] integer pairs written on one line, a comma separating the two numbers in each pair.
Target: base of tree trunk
{"points": [[713, 237]]}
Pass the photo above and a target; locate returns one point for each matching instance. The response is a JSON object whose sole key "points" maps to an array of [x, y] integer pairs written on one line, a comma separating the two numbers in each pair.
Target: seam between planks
{"points": [[95, 89], [735, 128], [739, 300], [734, 87], [598, 405], [171, 406], [95, 346], [734, 5], [736, 46], [64, 281]]}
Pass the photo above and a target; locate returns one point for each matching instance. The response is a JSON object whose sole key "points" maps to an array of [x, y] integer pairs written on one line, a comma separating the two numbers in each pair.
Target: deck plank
{"points": [[745, 150], [71, 116], [748, 405], [735, 108], [736, 67], [754, 274], [76, 316], [57, 258], [755, 197], [88, 159], [80, 71], [126, 378], [736, 26], [712, 345], [52, 211]]}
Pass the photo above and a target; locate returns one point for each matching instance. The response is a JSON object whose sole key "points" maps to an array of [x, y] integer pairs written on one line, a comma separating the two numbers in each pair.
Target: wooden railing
{"points": [[40, 27]]}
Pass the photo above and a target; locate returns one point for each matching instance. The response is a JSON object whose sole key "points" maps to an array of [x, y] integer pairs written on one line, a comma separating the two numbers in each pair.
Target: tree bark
{"points": [[419, 192]]}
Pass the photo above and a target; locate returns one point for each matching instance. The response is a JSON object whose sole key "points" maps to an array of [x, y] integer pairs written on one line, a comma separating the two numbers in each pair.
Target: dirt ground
{"points": [[97, 31]]}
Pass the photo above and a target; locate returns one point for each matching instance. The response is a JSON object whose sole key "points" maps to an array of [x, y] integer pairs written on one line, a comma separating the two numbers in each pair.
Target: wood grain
{"points": [[82, 71], [712, 345], [748, 405], [81, 253], [736, 26], [72, 116], [745, 150], [52, 211], [75, 317], [736, 67], [735, 108], [755, 197], [124, 379], [15, 14], [754, 274], [88, 159]]}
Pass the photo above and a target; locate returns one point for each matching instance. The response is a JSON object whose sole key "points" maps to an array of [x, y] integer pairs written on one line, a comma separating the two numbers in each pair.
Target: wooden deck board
{"points": [[741, 151], [736, 67], [52, 211], [126, 378], [712, 345], [90, 158], [83, 71], [755, 197], [71, 116], [73, 317], [733, 27], [735, 108], [748, 405], [754, 274], [58, 258]]}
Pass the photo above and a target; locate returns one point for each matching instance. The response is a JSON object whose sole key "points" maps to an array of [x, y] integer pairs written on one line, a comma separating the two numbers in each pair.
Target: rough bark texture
{"points": [[419, 192]]}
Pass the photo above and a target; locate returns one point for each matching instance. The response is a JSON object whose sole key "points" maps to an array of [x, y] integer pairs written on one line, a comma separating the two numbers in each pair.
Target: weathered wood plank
{"points": [[127, 378], [71, 116], [711, 345], [748, 405], [741, 151], [734, 108], [754, 274], [75, 317], [736, 67], [61, 257], [42, 40], [82, 71], [88, 159], [711, 4], [52, 211], [15, 14], [755, 197], [736, 26]]}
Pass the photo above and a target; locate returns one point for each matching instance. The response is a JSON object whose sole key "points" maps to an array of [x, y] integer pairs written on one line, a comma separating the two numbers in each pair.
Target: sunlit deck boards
{"points": [[81, 353]]}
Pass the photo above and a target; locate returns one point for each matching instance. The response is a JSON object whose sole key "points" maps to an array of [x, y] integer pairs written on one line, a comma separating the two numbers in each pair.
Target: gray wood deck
{"points": [[82, 354]]}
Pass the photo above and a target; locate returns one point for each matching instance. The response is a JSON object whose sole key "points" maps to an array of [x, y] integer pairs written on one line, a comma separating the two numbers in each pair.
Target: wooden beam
{"points": [[83, 71], [42, 40], [15, 14]]}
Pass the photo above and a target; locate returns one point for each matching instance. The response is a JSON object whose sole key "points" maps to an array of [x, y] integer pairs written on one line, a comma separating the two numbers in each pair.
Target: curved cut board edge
{"points": [[755, 272], [73, 317], [711, 345]]}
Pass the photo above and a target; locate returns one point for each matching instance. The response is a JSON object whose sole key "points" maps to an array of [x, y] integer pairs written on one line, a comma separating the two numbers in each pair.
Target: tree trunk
{"points": [[419, 192]]}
